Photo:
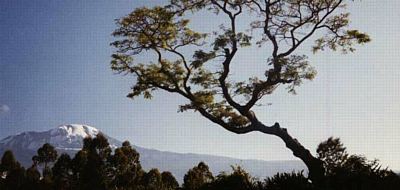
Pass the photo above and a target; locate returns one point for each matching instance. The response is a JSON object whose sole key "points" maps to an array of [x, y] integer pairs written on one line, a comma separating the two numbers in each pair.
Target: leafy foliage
{"points": [[197, 177], [32, 180], [345, 171], [168, 180], [45, 155], [95, 167], [288, 181], [62, 172], [126, 169], [12, 174], [239, 179], [283, 24], [8, 162], [197, 66]]}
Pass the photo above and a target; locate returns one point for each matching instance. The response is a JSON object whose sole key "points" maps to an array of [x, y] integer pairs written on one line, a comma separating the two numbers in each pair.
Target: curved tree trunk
{"points": [[316, 170], [314, 165]]}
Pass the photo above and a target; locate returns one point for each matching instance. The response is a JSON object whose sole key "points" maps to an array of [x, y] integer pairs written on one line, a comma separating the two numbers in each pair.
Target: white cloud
{"points": [[4, 108]]}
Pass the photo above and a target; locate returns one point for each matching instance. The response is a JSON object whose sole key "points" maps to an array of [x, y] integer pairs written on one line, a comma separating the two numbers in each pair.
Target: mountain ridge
{"points": [[68, 139]]}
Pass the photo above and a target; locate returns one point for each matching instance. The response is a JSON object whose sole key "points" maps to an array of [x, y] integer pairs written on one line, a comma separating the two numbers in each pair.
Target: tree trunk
{"points": [[315, 166]]}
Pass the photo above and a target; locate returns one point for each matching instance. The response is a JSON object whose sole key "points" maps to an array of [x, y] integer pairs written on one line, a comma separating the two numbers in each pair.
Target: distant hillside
{"points": [[68, 138]]}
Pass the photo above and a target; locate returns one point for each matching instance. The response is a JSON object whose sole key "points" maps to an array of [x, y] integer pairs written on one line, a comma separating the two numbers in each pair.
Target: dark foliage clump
{"points": [[288, 181], [348, 172]]}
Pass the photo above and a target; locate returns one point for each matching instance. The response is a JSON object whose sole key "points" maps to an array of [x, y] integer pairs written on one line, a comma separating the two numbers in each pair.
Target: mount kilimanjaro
{"points": [[69, 139]]}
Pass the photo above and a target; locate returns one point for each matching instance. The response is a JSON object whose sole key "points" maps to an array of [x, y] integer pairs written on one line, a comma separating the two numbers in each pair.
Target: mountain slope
{"points": [[69, 139]]}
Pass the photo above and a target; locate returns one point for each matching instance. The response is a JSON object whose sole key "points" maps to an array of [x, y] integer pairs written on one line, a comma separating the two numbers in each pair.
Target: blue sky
{"points": [[54, 69]]}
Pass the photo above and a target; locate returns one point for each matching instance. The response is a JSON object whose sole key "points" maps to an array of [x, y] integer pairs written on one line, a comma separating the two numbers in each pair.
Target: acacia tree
{"points": [[278, 27]]}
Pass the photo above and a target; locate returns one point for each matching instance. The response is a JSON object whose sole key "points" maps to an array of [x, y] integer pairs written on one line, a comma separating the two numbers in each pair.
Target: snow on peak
{"points": [[64, 137], [71, 135], [74, 131]]}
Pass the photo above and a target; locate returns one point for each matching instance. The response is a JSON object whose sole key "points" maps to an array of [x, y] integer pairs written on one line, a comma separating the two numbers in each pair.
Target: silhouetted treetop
{"points": [[45, 154], [121, 170], [197, 177], [8, 161]]}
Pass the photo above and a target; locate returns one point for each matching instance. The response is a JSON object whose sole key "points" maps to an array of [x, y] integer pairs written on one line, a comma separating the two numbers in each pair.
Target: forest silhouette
{"points": [[97, 166]]}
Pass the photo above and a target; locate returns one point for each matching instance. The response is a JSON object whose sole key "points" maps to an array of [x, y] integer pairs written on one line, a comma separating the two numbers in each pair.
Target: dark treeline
{"points": [[97, 167]]}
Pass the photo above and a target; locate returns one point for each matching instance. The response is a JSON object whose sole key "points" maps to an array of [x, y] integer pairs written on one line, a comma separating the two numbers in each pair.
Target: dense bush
{"points": [[348, 172], [288, 181]]}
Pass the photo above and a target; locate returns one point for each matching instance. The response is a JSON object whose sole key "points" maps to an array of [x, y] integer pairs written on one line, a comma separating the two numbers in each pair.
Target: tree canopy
{"points": [[283, 25], [278, 27], [45, 155]]}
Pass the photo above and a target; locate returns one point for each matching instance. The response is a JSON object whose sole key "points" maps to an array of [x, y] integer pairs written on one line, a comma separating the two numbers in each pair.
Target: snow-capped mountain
{"points": [[69, 139], [64, 137]]}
